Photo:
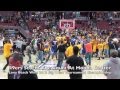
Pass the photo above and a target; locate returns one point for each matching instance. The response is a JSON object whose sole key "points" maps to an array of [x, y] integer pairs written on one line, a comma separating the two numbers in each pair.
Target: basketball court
{"points": [[56, 74]]}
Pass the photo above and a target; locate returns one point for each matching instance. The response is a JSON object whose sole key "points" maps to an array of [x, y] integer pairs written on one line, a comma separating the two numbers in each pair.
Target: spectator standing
{"points": [[61, 48], [7, 52], [28, 51], [74, 62], [88, 55], [114, 66]]}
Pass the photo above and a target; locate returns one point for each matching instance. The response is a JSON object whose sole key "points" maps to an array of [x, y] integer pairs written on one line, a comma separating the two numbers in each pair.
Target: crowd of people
{"points": [[56, 45], [71, 46]]}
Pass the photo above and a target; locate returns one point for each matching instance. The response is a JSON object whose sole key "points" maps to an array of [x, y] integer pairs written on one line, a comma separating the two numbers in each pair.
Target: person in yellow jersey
{"points": [[94, 45], [69, 50], [63, 38], [7, 52], [46, 50], [100, 47], [58, 39], [65, 41], [106, 49]]}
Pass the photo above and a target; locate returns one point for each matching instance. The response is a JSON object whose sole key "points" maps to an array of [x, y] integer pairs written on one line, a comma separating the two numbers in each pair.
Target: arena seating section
{"points": [[101, 24], [9, 23]]}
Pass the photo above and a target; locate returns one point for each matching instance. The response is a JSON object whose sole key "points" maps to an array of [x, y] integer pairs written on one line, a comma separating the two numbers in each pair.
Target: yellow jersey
{"points": [[100, 46], [47, 49], [106, 46], [69, 51], [7, 50], [94, 45]]}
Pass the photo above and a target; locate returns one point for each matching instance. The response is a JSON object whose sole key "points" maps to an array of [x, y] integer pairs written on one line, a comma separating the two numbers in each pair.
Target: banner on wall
{"points": [[67, 24]]}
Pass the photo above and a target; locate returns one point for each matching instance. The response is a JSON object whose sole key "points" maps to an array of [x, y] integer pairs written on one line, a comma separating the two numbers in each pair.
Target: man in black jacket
{"points": [[61, 48], [113, 45], [74, 64]]}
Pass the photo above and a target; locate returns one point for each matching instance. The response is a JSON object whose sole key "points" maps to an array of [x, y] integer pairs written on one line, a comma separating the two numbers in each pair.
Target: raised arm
{"points": [[107, 39]]}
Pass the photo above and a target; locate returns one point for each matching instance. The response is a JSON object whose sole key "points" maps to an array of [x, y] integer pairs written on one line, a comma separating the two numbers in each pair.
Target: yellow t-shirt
{"points": [[100, 46], [47, 49], [7, 51], [94, 44], [69, 51], [94, 47], [106, 46]]}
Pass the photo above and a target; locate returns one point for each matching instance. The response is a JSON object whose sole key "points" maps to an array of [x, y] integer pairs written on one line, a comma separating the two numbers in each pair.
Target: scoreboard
{"points": [[67, 24]]}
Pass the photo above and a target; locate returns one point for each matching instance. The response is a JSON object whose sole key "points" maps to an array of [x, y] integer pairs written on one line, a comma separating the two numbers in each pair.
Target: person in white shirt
{"points": [[1, 44], [19, 44], [1, 41], [35, 45]]}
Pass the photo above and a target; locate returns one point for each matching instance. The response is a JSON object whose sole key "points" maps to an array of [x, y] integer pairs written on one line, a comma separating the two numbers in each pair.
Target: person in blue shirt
{"points": [[73, 40], [54, 48]]}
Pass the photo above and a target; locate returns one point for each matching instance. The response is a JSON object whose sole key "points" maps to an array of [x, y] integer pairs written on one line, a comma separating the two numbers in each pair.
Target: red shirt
{"points": [[88, 47]]}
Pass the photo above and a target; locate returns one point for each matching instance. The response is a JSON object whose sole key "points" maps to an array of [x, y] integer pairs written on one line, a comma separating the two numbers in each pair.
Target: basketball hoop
{"points": [[67, 24]]}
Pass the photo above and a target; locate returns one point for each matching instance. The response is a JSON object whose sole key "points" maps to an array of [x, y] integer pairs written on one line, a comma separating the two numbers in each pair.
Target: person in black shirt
{"points": [[40, 45], [23, 47], [75, 63], [113, 44], [61, 49], [66, 46]]}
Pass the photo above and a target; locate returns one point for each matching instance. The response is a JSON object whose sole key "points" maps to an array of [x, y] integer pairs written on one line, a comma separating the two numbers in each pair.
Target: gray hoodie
{"points": [[114, 64]]}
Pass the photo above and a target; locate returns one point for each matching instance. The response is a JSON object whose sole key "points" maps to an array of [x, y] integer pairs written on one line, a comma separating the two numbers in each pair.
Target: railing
{"points": [[112, 19], [8, 27], [116, 18], [26, 33], [21, 30], [24, 28], [24, 21]]}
